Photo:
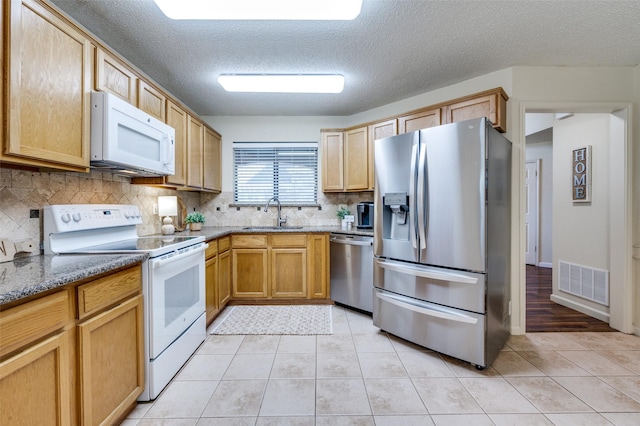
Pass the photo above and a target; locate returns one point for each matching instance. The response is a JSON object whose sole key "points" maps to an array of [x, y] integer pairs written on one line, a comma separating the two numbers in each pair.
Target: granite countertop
{"points": [[213, 232], [27, 276]]}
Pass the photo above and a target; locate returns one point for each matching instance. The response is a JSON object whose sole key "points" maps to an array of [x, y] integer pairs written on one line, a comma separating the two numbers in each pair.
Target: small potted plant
{"points": [[342, 213], [195, 220]]}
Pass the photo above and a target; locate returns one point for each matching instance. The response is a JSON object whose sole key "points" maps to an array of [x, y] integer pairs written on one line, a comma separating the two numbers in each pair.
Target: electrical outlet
{"points": [[34, 214], [223, 208], [155, 208]]}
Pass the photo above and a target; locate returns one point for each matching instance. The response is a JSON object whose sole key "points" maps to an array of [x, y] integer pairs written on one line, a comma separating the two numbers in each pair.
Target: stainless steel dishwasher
{"points": [[352, 270]]}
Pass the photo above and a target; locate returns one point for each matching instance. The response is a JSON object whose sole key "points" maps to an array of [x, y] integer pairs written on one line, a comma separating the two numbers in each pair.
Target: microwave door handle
{"points": [[169, 149], [412, 196]]}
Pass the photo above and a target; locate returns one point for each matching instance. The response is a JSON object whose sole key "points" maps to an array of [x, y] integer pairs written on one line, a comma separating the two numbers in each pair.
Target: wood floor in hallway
{"points": [[545, 315]]}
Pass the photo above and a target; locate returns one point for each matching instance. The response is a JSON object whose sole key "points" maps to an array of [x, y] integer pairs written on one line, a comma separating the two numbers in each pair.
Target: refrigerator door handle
{"points": [[423, 188], [403, 303], [425, 273], [412, 196]]}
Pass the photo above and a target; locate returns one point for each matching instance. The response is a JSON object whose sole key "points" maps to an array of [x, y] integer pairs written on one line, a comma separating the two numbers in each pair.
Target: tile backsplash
{"points": [[22, 191]]}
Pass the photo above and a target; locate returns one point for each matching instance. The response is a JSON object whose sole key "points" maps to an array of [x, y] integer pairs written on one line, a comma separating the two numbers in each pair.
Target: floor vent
{"points": [[585, 282]]}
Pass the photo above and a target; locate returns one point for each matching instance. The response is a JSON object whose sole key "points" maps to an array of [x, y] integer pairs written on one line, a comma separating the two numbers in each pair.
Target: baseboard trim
{"points": [[576, 306]]}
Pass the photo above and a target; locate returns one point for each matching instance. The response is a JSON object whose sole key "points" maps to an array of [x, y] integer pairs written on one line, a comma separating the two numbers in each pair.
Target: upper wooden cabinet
{"points": [[48, 71], [178, 119], [151, 100], [419, 120], [384, 129], [212, 161], [348, 155], [195, 141], [113, 76], [491, 104], [332, 161], [356, 160]]}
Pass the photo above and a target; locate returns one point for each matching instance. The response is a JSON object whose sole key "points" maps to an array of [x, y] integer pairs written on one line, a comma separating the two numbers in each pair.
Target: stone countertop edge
{"points": [[28, 276], [213, 232]]}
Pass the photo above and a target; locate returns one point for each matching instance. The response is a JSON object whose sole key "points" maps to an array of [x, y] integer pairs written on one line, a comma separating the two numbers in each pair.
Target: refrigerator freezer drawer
{"points": [[459, 334], [462, 290]]}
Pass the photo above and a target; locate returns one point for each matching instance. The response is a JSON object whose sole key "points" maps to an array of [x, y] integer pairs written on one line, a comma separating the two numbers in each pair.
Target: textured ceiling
{"points": [[392, 51]]}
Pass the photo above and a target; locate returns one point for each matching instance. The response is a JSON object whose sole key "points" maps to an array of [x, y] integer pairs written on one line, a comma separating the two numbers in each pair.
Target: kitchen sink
{"points": [[270, 228]]}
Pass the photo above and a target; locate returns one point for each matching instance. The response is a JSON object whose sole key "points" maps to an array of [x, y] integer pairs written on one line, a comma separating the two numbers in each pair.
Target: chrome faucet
{"points": [[280, 219]]}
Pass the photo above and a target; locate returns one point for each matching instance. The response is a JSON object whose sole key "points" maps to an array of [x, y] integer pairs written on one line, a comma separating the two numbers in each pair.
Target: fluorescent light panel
{"points": [[281, 83], [261, 9]]}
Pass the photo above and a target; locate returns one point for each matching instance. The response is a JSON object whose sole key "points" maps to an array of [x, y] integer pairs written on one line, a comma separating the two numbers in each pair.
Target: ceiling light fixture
{"points": [[282, 83], [261, 9]]}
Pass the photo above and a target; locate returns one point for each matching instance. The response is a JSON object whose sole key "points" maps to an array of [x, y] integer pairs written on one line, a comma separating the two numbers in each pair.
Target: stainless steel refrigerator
{"points": [[442, 239]]}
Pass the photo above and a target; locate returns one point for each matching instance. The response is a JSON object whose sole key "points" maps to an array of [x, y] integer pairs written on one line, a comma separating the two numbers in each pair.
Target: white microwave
{"points": [[127, 140]]}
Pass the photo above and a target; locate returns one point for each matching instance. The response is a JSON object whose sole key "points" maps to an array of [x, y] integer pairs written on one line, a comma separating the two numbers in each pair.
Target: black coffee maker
{"points": [[365, 215]]}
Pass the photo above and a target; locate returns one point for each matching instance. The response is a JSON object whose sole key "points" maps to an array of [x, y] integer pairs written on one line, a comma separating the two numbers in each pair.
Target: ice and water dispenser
{"points": [[395, 216]]}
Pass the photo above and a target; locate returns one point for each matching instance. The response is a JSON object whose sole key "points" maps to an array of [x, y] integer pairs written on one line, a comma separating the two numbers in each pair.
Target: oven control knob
{"points": [[66, 218], [77, 217]]}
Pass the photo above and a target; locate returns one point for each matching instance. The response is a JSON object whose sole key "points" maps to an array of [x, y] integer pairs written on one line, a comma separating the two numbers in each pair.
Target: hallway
{"points": [[545, 315]]}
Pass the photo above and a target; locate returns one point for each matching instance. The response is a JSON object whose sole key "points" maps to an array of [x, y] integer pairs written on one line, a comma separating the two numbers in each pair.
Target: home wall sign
{"points": [[581, 175]]}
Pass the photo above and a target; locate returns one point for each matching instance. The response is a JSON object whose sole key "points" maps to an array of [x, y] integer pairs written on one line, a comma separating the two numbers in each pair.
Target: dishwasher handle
{"points": [[351, 242]]}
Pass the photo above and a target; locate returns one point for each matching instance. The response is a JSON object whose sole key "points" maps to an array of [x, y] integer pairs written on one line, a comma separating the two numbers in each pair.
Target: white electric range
{"points": [[173, 278]]}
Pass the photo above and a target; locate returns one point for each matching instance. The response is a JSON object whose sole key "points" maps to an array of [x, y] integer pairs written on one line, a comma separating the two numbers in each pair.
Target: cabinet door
{"points": [[224, 278], [194, 152], [356, 160], [178, 119], [492, 106], [49, 83], [211, 285], [378, 131], [332, 161], [151, 100], [111, 358], [114, 77], [35, 385], [419, 120], [250, 273], [318, 266], [212, 179], [289, 273]]}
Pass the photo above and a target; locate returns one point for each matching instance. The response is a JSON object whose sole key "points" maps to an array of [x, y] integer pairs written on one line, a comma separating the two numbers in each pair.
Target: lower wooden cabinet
{"points": [[111, 358], [280, 266], [35, 385], [224, 272], [217, 276], [75, 356]]}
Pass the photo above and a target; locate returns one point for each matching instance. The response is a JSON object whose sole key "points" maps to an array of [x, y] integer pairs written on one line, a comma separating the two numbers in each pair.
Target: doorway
{"points": [[532, 259]]}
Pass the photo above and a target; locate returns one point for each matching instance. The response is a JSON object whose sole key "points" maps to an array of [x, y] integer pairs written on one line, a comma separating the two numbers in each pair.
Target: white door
{"points": [[531, 212]]}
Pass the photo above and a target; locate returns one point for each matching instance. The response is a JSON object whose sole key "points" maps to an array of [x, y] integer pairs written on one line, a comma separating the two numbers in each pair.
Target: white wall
{"points": [[581, 230], [543, 151]]}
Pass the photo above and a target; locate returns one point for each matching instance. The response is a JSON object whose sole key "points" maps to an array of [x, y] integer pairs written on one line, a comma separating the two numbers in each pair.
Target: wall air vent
{"points": [[588, 283]]}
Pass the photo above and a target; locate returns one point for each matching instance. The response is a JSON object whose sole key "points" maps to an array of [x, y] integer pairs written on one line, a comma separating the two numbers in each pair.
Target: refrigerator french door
{"points": [[442, 242]]}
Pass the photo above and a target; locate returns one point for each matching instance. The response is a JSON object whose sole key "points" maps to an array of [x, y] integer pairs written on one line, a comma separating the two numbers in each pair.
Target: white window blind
{"points": [[288, 171]]}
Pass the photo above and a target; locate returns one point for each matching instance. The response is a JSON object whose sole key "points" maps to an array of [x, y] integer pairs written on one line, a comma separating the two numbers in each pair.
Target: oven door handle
{"points": [[155, 264]]}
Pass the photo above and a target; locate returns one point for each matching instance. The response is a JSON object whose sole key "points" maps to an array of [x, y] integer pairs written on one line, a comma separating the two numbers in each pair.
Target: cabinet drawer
{"points": [[224, 244], [250, 241], [212, 250], [288, 240], [106, 291], [24, 324]]}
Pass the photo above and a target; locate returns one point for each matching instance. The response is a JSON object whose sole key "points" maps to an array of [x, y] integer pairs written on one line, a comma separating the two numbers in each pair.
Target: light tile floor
{"points": [[361, 376]]}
